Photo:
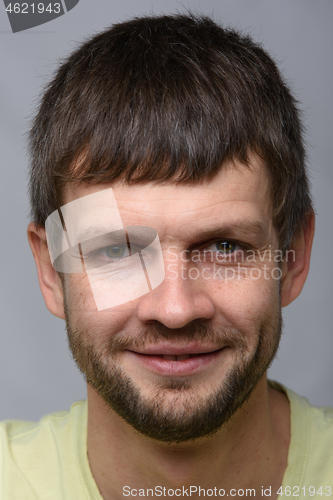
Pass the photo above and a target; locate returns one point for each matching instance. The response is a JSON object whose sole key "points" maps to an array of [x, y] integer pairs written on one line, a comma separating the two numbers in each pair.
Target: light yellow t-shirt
{"points": [[48, 460]]}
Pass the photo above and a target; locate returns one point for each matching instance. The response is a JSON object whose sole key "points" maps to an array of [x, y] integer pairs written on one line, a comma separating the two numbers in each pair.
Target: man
{"points": [[171, 222]]}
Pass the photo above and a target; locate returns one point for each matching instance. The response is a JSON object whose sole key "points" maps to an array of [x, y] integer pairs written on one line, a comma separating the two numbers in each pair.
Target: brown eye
{"points": [[115, 251], [225, 247]]}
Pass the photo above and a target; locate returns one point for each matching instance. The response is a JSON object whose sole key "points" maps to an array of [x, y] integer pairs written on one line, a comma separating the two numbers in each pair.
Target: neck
{"points": [[250, 451]]}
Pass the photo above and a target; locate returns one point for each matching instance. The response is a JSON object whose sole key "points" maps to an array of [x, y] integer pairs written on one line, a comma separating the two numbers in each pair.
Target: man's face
{"points": [[177, 362]]}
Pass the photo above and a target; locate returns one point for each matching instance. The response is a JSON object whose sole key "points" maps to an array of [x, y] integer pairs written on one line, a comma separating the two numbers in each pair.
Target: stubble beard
{"points": [[174, 413]]}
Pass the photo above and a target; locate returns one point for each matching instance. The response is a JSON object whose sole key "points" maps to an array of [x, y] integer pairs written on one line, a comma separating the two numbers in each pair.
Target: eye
{"points": [[116, 251], [224, 247]]}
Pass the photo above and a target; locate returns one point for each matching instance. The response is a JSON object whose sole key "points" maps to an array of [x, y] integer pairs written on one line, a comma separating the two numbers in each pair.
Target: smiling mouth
{"points": [[172, 357], [171, 363], [181, 357]]}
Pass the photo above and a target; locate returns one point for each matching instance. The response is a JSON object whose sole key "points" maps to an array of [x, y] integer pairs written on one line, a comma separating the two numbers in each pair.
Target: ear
{"points": [[49, 280], [295, 266]]}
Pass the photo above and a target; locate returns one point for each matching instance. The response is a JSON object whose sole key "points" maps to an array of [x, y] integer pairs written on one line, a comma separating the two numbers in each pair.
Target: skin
{"points": [[250, 450]]}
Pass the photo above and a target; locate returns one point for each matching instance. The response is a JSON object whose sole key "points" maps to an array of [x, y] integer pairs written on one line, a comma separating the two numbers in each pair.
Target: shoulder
{"points": [[33, 454], [18, 432], [317, 421], [310, 459], [315, 428]]}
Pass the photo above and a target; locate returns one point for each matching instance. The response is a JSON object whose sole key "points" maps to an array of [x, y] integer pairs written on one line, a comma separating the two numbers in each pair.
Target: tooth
{"points": [[183, 356], [170, 357]]}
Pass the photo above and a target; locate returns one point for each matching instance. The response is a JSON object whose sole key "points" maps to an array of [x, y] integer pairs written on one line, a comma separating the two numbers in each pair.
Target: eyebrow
{"points": [[103, 236], [235, 230], [94, 232]]}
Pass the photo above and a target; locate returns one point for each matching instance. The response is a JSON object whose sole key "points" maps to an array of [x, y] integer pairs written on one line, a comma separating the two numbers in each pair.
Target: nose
{"points": [[177, 301]]}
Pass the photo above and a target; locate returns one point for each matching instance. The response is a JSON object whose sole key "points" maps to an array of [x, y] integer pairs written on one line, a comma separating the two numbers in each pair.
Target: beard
{"points": [[175, 413]]}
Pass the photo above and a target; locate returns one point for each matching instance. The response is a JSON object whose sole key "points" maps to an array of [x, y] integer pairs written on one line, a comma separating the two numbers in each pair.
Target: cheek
{"points": [[78, 296], [243, 303], [83, 315]]}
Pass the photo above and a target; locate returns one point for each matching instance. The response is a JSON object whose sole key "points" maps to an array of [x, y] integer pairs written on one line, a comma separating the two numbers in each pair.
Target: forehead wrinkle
{"points": [[95, 231], [201, 212]]}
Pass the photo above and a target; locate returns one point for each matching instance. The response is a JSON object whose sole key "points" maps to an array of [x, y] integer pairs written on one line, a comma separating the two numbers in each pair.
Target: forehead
{"points": [[237, 193]]}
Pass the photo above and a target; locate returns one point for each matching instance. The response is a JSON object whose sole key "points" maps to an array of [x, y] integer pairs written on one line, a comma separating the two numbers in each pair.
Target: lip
{"points": [[166, 348], [201, 358]]}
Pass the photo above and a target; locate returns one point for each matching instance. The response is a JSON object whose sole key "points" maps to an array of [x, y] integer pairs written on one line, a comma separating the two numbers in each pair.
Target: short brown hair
{"points": [[168, 98]]}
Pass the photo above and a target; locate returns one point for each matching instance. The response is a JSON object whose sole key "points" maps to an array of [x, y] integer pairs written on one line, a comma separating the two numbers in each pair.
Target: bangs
{"points": [[179, 120]]}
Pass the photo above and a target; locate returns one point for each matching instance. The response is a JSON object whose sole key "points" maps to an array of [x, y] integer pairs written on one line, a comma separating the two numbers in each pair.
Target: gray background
{"points": [[37, 374]]}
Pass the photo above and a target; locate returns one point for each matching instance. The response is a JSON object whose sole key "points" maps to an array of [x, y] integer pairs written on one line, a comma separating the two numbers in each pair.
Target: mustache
{"points": [[197, 332]]}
